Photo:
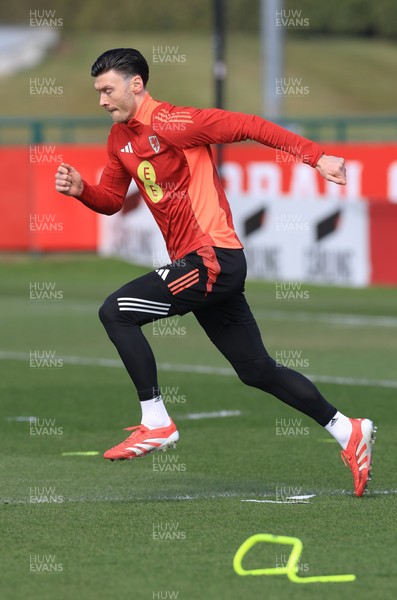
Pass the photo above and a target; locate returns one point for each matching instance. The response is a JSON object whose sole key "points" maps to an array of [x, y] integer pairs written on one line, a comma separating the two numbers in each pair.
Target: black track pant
{"points": [[210, 283]]}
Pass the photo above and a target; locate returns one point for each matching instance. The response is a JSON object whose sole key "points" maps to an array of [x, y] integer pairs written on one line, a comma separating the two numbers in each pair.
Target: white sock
{"points": [[340, 427], [154, 413]]}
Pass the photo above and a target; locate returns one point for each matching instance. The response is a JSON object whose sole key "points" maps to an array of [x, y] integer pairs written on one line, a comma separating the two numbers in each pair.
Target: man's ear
{"points": [[137, 84]]}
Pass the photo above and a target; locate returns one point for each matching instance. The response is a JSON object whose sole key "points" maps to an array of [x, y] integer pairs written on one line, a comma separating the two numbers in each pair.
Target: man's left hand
{"points": [[332, 168]]}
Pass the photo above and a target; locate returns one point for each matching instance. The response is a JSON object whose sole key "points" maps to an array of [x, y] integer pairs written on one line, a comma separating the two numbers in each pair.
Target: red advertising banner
{"points": [[36, 218], [255, 169], [383, 243], [15, 199]]}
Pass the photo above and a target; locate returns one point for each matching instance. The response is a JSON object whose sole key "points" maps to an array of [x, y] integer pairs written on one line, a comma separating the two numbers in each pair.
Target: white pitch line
{"points": [[210, 415], [116, 363], [303, 499], [347, 319], [197, 369], [386, 383], [202, 496], [148, 498], [70, 360], [189, 417], [279, 501], [20, 419], [351, 320]]}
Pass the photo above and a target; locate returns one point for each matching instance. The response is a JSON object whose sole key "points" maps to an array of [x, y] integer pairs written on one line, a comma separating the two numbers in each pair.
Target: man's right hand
{"points": [[68, 181]]}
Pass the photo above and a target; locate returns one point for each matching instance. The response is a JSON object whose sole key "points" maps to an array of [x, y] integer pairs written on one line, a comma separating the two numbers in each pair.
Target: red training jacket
{"points": [[166, 149]]}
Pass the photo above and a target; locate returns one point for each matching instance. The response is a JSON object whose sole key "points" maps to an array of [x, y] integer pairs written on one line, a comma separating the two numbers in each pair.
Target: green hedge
{"points": [[348, 17], [345, 17]]}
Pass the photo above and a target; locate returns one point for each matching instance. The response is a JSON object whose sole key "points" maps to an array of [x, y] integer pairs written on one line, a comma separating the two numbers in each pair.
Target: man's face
{"points": [[116, 95]]}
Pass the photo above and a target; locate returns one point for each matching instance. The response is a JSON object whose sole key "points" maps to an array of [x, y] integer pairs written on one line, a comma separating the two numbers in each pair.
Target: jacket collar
{"points": [[145, 110]]}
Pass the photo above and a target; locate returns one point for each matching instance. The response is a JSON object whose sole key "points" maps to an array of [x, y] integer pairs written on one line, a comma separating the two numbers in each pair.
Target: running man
{"points": [[166, 150]]}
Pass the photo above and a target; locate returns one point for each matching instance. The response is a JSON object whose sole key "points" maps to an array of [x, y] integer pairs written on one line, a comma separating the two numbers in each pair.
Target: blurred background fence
{"points": [[74, 130]]}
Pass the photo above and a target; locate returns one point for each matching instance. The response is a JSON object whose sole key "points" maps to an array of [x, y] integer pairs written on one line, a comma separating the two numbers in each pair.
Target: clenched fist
{"points": [[68, 181], [332, 168]]}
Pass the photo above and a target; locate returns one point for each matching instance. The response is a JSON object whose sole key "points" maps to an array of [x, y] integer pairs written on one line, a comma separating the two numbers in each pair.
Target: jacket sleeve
{"points": [[188, 127], [108, 196]]}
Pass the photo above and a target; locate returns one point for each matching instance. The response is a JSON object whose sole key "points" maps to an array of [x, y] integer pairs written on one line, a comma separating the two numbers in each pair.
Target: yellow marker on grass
{"points": [[291, 569]]}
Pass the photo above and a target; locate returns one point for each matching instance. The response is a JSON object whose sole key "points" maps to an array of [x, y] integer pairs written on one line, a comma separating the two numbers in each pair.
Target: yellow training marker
{"points": [[290, 569]]}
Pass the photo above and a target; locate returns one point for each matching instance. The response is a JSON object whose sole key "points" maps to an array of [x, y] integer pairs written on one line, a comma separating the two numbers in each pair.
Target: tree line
{"points": [[300, 17]]}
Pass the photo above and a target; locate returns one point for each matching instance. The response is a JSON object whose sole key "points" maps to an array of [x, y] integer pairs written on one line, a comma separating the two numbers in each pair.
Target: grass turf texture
{"points": [[102, 532]]}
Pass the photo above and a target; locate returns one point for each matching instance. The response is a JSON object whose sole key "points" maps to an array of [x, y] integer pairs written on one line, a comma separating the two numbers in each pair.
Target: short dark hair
{"points": [[126, 61]]}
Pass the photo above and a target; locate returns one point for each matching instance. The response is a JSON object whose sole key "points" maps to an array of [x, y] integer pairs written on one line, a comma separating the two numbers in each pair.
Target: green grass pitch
{"points": [[169, 525]]}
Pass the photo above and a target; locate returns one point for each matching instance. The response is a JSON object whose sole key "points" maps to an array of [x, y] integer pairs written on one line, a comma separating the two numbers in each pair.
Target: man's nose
{"points": [[103, 100]]}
